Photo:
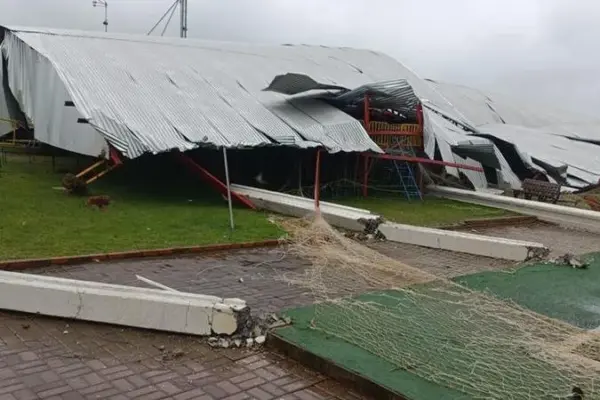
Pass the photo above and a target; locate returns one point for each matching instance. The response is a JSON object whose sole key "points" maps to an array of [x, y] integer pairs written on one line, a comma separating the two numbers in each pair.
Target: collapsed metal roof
{"points": [[466, 126], [148, 94], [545, 139]]}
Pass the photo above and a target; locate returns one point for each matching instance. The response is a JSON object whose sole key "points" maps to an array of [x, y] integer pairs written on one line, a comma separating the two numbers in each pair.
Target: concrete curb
{"points": [[19, 265], [329, 368]]}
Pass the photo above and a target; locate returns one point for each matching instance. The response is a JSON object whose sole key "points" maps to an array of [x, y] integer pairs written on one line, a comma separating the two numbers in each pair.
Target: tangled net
{"points": [[438, 330]]}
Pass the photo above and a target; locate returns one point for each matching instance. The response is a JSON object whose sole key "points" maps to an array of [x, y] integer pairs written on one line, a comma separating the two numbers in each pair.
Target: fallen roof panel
{"points": [[554, 137], [582, 159], [147, 94]]}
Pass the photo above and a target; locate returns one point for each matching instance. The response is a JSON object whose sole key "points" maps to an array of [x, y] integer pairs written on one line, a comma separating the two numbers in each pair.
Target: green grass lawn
{"points": [[431, 211], [152, 208]]}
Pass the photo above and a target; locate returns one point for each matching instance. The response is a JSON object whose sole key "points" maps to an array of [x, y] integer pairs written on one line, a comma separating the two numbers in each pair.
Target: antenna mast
{"points": [[184, 15], [182, 20], [102, 3]]}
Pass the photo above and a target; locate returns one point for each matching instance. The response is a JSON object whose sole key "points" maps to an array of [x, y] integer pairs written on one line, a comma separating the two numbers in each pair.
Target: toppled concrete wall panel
{"points": [[350, 218], [120, 305], [570, 217], [462, 242]]}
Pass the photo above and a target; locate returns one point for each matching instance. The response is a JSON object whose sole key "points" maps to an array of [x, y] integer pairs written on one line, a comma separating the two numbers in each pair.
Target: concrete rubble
{"points": [[253, 332], [569, 260]]}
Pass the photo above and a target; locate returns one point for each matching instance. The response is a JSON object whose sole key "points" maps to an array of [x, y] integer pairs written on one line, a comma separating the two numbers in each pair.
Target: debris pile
{"points": [[251, 332], [570, 260]]}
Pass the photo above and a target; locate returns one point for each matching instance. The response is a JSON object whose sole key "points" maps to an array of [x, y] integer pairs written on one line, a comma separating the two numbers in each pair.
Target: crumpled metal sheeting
{"points": [[155, 94], [557, 138], [484, 108], [388, 69], [396, 94], [446, 136], [341, 130], [583, 131], [582, 159], [291, 84], [482, 152]]}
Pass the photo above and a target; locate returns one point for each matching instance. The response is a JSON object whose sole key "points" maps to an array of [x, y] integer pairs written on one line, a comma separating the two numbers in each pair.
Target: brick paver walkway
{"points": [[44, 358]]}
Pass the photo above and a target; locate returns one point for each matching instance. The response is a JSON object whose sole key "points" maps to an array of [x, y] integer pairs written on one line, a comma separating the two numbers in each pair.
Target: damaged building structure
{"points": [[127, 96]]}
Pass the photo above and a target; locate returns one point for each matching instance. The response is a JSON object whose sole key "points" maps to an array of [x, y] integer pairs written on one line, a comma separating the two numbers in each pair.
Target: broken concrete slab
{"points": [[121, 305], [350, 218], [462, 242]]}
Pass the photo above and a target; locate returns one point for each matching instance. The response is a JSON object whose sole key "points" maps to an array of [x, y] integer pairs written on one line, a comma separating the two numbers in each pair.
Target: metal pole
{"points": [[105, 17], [228, 188], [103, 3], [318, 183], [183, 19], [156, 284], [367, 122]]}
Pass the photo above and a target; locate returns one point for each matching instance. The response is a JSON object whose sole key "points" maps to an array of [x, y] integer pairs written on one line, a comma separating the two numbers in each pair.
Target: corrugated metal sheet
{"points": [[147, 94], [5, 127], [581, 159], [558, 138]]}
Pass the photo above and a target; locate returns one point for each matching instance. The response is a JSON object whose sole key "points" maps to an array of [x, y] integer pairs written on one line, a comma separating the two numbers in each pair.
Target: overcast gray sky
{"points": [[541, 50]]}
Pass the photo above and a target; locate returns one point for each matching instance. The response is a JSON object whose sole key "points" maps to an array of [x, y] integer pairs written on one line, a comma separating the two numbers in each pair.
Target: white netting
{"points": [[436, 329]]}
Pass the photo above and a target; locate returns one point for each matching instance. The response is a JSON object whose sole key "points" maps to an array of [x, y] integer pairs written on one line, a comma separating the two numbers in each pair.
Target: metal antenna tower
{"points": [[102, 3], [184, 15], [182, 21]]}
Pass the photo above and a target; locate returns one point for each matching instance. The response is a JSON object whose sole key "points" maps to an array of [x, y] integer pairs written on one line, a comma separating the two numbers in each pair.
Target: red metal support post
{"points": [[114, 155], [212, 180], [420, 116], [421, 123], [424, 161]]}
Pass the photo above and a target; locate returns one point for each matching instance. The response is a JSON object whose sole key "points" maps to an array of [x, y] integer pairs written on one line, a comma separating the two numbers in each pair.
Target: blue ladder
{"points": [[407, 180]]}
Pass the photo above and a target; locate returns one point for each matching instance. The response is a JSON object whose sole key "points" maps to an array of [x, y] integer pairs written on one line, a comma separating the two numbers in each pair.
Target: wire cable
{"points": [[168, 21], [169, 10]]}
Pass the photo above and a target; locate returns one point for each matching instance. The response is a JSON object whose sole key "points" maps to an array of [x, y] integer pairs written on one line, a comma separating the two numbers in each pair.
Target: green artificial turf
{"points": [[425, 322], [360, 361], [561, 292], [154, 206]]}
